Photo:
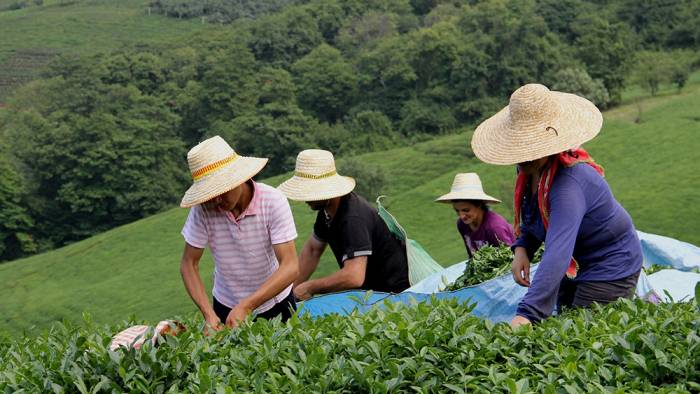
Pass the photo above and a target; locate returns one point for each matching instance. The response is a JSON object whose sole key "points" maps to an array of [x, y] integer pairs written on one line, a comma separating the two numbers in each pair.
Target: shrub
{"points": [[426, 347], [369, 180], [577, 81], [425, 116]]}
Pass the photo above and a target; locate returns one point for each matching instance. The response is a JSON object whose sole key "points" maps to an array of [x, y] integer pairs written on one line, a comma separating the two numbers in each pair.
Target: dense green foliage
{"points": [[425, 348], [577, 81], [218, 11], [15, 222], [348, 76], [117, 137]]}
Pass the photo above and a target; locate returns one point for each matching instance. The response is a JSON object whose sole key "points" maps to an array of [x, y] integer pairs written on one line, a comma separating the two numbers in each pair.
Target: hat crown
{"points": [[532, 104], [207, 152], [315, 162], [466, 181]]}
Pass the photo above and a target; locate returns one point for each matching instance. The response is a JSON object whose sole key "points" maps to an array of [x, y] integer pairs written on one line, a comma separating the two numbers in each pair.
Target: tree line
{"points": [[219, 11], [101, 140]]}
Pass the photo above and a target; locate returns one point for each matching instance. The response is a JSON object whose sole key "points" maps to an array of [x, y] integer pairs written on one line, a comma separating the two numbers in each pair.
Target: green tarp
{"points": [[420, 263]]}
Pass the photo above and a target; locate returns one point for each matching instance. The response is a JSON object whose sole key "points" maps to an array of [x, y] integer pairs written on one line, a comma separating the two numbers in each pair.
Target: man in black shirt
{"points": [[369, 255]]}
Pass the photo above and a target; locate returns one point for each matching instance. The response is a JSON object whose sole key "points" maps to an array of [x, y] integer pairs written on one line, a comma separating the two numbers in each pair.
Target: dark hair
{"points": [[477, 203]]}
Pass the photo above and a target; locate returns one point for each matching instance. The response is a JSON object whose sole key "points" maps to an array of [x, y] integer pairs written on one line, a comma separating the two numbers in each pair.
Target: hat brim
{"points": [[452, 196], [496, 141], [222, 180], [303, 189]]}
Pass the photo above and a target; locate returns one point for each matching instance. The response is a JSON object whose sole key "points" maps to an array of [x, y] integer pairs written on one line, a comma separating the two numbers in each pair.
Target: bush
{"points": [[221, 11], [480, 109], [577, 81], [369, 180], [424, 116], [371, 122], [651, 71], [17, 5], [277, 138], [15, 222], [369, 131], [426, 347]]}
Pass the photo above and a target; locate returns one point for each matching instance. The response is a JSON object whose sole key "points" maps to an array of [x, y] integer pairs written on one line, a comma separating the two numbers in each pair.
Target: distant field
{"points": [[651, 166], [31, 36]]}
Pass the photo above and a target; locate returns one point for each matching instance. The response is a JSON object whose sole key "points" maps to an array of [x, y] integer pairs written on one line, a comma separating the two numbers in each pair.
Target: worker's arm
{"points": [[309, 258], [189, 269], [351, 276], [287, 271]]}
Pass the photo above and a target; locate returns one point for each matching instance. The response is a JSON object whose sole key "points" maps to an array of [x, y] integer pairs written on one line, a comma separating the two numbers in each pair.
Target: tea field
{"points": [[627, 347]]}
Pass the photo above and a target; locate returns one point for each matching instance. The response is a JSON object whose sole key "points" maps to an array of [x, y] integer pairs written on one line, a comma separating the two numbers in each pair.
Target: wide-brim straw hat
{"points": [[216, 168], [536, 123], [315, 178], [467, 186]]}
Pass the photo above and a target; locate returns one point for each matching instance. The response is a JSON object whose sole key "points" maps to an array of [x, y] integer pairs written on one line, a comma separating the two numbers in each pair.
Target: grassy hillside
{"points": [[651, 166], [32, 36]]}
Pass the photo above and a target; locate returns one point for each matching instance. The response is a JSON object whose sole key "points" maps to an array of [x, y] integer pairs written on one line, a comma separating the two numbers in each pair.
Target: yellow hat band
{"points": [[312, 176], [215, 166]]}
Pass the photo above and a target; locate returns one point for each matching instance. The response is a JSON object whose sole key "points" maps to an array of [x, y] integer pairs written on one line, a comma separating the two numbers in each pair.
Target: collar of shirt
{"points": [[252, 209], [340, 212]]}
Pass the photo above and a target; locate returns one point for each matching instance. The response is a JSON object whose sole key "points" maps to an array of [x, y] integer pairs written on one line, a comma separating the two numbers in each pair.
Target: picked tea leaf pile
{"points": [[487, 263]]}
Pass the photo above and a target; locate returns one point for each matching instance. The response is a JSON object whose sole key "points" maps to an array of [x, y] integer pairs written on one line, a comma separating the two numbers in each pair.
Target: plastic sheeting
{"points": [[420, 263], [679, 285], [497, 299], [678, 282], [667, 251]]}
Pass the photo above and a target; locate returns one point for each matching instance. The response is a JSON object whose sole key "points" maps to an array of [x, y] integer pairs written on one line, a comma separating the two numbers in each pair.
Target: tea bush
{"points": [[629, 346]]}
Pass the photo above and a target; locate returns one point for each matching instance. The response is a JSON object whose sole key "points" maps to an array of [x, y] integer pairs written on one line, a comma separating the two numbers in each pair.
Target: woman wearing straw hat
{"points": [[592, 253], [477, 225], [250, 230], [369, 256]]}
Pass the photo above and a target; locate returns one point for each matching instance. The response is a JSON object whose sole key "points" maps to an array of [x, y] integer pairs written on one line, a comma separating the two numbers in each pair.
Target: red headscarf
{"points": [[567, 159]]}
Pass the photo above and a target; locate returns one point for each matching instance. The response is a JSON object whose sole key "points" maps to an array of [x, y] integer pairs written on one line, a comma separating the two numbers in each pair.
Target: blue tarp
{"points": [[497, 299], [680, 281]]}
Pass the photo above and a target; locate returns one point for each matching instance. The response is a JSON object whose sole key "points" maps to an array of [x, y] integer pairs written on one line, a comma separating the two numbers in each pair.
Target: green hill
{"points": [[33, 35], [651, 166]]}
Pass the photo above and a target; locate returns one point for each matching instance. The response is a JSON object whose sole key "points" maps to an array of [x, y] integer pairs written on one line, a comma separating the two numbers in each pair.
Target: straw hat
{"points": [[216, 169], [467, 186], [537, 123], [315, 178]]}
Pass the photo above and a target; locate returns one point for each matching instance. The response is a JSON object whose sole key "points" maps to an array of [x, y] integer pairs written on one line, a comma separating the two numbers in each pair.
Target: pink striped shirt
{"points": [[242, 247]]}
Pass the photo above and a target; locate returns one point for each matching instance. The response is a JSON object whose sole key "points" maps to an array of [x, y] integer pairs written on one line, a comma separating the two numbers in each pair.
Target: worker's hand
{"points": [[212, 324], [237, 315], [302, 291], [519, 321], [521, 267]]}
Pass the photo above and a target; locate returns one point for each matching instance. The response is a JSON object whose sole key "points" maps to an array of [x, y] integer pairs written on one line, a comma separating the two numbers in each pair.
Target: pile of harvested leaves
{"points": [[654, 268], [629, 346], [487, 263]]}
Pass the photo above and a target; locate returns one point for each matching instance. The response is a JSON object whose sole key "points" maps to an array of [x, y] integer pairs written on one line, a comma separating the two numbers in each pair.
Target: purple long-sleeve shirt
{"points": [[494, 230], [585, 221]]}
